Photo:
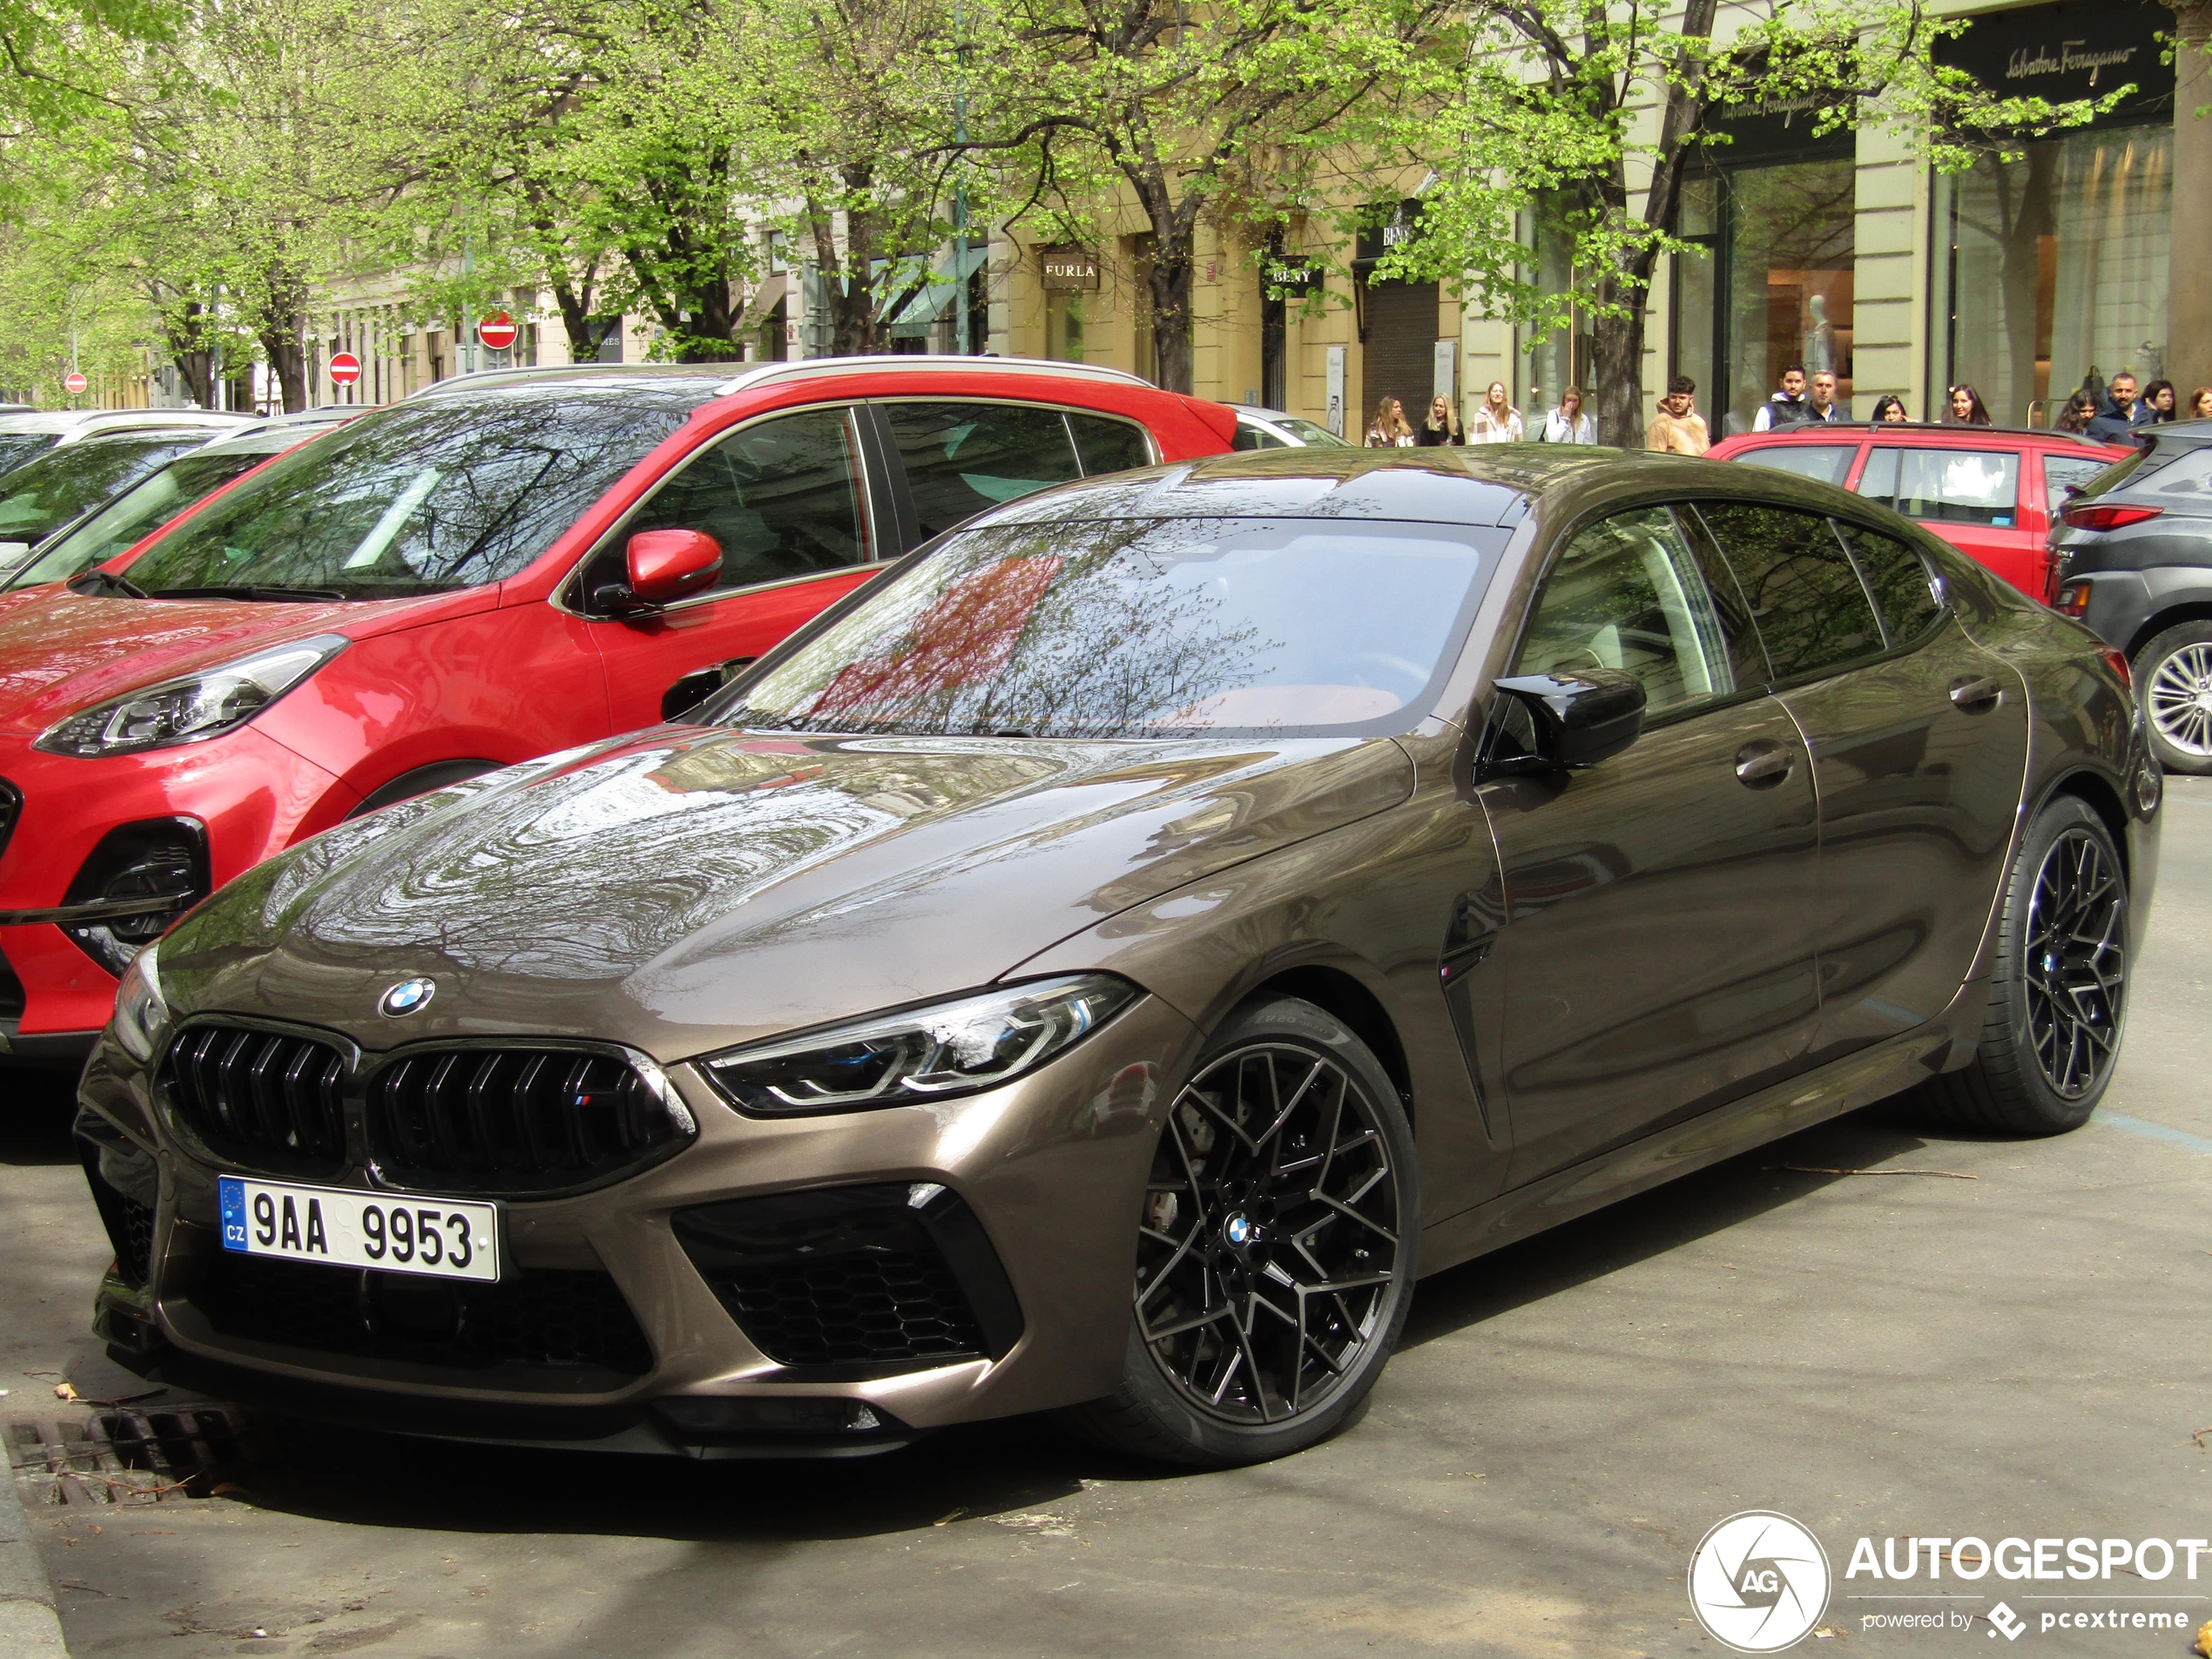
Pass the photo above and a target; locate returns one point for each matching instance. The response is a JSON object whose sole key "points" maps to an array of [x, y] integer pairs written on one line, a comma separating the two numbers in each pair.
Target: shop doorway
{"points": [[1399, 358]]}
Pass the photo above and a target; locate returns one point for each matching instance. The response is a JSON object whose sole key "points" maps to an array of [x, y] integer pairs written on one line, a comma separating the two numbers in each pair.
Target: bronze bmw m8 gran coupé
{"points": [[1099, 964]]}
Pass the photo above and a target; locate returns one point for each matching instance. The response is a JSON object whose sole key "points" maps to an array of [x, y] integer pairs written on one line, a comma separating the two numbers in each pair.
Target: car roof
{"points": [[730, 378], [274, 437], [90, 420], [1923, 431]]}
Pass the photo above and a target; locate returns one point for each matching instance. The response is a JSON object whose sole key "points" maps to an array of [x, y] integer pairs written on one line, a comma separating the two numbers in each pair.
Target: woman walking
{"points": [[2081, 409], [2201, 403], [1567, 423], [1389, 430], [1889, 410], [1497, 420], [1967, 406], [1442, 425], [2158, 405]]}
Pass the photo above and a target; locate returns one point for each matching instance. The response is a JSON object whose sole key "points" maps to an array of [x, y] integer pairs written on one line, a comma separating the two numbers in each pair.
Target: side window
{"points": [[1627, 593], [1830, 462], [1255, 437], [1810, 608], [1109, 444], [781, 495], [961, 458], [1946, 486], [1904, 588], [2060, 471]]}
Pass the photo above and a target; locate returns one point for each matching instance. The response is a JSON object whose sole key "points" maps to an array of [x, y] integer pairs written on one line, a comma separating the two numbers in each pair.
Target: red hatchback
{"points": [[507, 565], [1992, 492]]}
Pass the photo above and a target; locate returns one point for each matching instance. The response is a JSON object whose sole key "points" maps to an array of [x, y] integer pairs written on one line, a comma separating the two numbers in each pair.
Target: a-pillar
{"points": [[2189, 315]]}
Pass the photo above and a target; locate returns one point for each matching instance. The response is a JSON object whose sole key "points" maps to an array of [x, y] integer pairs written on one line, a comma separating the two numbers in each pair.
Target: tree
{"points": [[1231, 112], [1606, 108]]}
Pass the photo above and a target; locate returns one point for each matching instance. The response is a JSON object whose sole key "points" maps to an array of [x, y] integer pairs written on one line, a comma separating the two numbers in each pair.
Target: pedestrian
{"points": [[1787, 407], [1966, 408], [2115, 422], [1821, 403], [1568, 424], [2201, 403], [2156, 407], [1889, 410], [1678, 429], [1442, 425], [2081, 409], [1496, 420], [1388, 430]]}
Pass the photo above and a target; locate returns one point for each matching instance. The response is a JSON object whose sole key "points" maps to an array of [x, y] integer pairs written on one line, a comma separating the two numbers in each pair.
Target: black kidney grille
{"points": [[541, 1318], [260, 1098], [513, 1119]]}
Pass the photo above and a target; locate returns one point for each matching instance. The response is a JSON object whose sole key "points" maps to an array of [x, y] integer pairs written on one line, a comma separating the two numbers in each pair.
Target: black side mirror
{"points": [[1570, 720]]}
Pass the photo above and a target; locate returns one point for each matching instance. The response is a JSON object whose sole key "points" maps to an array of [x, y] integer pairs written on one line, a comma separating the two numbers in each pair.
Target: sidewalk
{"points": [[30, 1627]]}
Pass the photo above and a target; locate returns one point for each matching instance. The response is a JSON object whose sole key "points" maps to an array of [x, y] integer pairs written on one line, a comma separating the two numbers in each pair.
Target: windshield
{"points": [[1139, 628], [16, 448], [452, 492], [139, 511], [40, 495]]}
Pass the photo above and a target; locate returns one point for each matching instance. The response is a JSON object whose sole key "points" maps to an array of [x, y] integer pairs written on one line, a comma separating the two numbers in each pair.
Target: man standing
{"points": [[2115, 422], [1677, 428], [1821, 404], [1786, 407]]}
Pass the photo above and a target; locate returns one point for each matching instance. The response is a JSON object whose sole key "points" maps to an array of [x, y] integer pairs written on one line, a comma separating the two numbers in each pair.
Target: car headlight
{"points": [[954, 1047], [192, 707], [141, 1017]]}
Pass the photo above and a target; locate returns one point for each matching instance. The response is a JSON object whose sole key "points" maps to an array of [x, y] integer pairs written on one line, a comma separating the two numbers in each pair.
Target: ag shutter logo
{"points": [[1758, 1581]]}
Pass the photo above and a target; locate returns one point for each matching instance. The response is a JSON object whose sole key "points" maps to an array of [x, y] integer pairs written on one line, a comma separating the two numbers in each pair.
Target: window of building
{"points": [[1063, 327], [2057, 274]]}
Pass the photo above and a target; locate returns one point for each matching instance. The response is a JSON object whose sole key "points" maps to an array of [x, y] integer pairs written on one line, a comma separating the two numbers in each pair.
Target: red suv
{"points": [[506, 565], [1992, 492]]}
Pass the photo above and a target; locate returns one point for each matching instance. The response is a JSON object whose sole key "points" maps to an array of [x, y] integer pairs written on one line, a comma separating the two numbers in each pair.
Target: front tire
{"points": [[1276, 1250], [2058, 996], [2174, 678]]}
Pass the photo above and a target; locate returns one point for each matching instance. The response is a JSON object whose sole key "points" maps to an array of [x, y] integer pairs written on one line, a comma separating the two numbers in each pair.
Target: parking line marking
{"points": [[2155, 1131]]}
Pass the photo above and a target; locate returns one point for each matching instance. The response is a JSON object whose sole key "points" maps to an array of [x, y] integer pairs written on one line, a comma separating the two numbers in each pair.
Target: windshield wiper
{"points": [[97, 581], [247, 590]]}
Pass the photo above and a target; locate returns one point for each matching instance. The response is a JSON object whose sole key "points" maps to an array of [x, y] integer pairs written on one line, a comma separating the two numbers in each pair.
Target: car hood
{"points": [[61, 651], [685, 889]]}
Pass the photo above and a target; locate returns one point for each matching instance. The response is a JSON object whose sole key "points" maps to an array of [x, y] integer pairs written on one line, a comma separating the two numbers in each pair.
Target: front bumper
{"points": [[251, 796], [1051, 1167]]}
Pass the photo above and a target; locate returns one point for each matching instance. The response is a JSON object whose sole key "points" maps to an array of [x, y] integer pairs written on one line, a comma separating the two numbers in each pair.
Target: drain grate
{"points": [[126, 1457]]}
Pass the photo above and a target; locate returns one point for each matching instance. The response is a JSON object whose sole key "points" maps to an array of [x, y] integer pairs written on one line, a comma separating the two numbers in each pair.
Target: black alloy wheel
{"points": [[2057, 1006], [1275, 1248], [2075, 966]]}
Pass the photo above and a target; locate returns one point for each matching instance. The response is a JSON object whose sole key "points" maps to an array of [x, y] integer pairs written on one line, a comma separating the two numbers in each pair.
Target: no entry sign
{"points": [[496, 331], [345, 368], [74, 382]]}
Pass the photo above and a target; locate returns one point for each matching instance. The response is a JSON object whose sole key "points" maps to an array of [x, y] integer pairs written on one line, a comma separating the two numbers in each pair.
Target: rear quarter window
{"points": [[1829, 463]]}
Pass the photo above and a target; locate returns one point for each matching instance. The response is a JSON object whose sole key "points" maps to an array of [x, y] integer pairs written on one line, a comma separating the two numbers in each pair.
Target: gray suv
{"points": [[2134, 561]]}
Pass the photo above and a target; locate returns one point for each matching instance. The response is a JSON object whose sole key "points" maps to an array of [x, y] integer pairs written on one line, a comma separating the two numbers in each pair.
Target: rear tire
{"points": [[1276, 1251], [2058, 992], [2174, 682]]}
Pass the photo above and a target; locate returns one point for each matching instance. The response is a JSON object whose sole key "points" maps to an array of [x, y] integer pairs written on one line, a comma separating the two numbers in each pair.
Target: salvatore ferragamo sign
{"points": [[2073, 50]]}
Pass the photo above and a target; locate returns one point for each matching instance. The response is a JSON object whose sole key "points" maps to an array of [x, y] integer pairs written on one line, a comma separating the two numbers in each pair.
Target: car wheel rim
{"points": [[2181, 700], [2076, 963], [1267, 1259]]}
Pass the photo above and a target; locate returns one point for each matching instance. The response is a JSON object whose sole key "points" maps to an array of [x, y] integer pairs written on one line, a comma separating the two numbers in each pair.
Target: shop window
{"points": [[1063, 327], [2057, 270], [1788, 275]]}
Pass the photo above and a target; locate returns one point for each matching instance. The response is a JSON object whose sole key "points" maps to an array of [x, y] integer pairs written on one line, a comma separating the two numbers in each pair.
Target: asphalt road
{"points": [[2019, 1353]]}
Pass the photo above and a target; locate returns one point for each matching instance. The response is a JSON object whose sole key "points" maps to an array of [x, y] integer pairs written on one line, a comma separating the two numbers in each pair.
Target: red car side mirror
{"points": [[669, 566]]}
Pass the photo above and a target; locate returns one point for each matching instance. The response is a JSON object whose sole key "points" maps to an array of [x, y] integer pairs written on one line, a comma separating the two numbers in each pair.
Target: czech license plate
{"points": [[442, 1238]]}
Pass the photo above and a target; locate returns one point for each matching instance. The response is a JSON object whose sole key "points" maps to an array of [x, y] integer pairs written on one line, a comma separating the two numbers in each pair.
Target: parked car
{"points": [[1099, 966], [113, 526], [1264, 429], [2132, 559], [62, 485], [460, 582], [1992, 492], [22, 437]]}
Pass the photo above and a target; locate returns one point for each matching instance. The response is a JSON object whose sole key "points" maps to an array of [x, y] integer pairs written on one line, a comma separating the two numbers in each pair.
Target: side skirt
{"points": [[1842, 1086]]}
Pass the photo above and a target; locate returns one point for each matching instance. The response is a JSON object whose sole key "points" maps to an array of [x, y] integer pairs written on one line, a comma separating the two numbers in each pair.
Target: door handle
{"points": [[1762, 765], [1977, 695]]}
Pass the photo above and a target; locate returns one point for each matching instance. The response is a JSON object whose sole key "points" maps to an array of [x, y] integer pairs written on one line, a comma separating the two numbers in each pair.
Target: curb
{"points": [[29, 1625]]}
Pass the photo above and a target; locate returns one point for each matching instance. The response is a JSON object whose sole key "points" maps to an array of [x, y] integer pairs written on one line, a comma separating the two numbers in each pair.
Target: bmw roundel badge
{"points": [[409, 996]]}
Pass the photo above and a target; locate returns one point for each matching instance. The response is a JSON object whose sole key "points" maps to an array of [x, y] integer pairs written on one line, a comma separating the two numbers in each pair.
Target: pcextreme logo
{"points": [[1758, 1581]]}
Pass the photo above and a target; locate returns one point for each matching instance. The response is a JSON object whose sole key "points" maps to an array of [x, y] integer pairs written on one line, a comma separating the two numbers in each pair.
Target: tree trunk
{"points": [[2189, 315], [287, 355], [188, 351]]}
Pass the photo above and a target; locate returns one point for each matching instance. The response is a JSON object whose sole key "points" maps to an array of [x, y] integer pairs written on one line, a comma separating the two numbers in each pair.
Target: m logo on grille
{"points": [[409, 996]]}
